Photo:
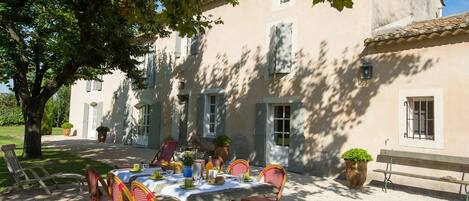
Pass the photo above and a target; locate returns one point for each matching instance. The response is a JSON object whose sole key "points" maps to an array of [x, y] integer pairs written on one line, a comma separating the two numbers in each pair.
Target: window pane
{"points": [[212, 99], [212, 118], [287, 126], [431, 128], [287, 111], [278, 139], [286, 139], [430, 110], [278, 126], [278, 111], [212, 128], [212, 108]]}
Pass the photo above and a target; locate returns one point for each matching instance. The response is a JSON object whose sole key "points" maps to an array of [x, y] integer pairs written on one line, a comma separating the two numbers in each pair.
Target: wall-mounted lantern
{"points": [[182, 85], [366, 70]]}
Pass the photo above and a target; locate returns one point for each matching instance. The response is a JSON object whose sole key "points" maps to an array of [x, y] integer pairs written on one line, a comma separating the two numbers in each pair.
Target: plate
{"points": [[216, 184], [134, 171], [157, 179], [188, 188], [248, 180]]}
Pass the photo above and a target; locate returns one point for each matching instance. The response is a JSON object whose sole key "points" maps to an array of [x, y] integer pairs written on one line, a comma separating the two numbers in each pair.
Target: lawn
{"points": [[59, 161]]}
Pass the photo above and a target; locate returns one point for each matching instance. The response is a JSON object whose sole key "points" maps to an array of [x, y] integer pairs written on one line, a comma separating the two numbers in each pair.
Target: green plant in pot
{"points": [[222, 146], [102, 133], [67, 127], [356, 162], [187, 162]]}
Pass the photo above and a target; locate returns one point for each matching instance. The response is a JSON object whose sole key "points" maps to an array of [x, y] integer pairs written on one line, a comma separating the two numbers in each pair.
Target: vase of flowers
{"points": [[222, 147], [187, 162], [67, 126], [356, 161], [102, 133]]}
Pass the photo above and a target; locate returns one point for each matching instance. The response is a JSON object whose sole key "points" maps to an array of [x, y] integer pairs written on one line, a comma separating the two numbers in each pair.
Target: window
{"points": [[278, 5], [284, 1], [420, 118], [150, 69], [281, 121], [195, 44], [95, 85], [144, 120], [280, 48]]}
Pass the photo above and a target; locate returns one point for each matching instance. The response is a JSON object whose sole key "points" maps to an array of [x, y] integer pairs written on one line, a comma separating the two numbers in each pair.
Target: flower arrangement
{"points": [[188, 158]]}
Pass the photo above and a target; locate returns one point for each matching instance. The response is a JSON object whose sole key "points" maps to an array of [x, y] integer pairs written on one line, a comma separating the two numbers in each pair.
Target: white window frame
{"points": [[283, 119], [437, 95], [278, 5], [207, 113], [144, 120]]}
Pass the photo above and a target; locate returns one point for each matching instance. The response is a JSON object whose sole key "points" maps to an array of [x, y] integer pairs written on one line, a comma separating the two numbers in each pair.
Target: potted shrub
{"points": [[356, 161], [67, 126], [222, 146], [187, 162], [102, 133]]}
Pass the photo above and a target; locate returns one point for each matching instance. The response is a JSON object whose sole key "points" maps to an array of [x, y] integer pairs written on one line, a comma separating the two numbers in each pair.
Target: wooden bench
{"points": [[423, 160]]}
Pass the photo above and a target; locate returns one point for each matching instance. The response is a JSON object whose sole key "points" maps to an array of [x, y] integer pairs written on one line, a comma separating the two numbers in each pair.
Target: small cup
{"points": [[145, 166], [188, 182], [136, 166]]}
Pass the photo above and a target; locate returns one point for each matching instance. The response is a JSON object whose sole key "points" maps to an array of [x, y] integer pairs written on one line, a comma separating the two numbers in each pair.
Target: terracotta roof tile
{"points": [[427, 27]]}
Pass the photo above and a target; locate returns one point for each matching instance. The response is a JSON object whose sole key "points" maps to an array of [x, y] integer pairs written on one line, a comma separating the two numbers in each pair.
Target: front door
{"points": [[278, 139], [92, 121]]}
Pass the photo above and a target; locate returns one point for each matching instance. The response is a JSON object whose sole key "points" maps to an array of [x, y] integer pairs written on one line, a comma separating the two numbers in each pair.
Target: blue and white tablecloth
{"points": [[126, 176]]}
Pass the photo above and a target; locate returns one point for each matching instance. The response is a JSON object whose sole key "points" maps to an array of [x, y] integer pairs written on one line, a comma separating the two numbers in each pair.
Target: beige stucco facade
{"points": [[338, 109]]}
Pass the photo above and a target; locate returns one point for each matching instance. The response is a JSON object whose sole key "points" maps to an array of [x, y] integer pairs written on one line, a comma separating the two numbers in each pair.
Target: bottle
{"points": [[208, 167]]}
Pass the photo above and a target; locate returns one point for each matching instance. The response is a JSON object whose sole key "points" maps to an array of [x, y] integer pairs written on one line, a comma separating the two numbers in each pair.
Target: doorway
{"points": [[279, 126]]}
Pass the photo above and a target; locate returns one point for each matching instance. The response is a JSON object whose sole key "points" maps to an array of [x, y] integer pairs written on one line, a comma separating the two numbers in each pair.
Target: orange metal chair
{"points": [[237, 167], [119, 192], [141, 193], [275, 175]]}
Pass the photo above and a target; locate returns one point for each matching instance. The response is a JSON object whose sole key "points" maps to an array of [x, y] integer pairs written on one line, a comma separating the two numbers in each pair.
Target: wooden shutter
{"points": [[155, 126], [260, 133], [88, 85], [272, 49], [195, 44], [297, 138], [86, 109], [221, 113], [98, 84], [177, 49], [283, 53], [201, 114], [99, 114]]}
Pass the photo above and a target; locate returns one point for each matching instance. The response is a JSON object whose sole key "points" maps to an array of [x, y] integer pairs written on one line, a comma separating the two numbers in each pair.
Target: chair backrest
{"points": [[275, 175], [93, 178], [141, 193], [237, 167], [166, 153], [217, 162], [11, 160], [119, 192]]}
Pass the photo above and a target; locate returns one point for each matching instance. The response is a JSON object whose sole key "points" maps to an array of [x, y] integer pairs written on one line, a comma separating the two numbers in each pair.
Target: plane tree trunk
{"points": [[33, 113]]}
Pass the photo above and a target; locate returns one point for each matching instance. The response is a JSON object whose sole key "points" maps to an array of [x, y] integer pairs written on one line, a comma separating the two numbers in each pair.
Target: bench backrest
{"points": [[424, 160]]}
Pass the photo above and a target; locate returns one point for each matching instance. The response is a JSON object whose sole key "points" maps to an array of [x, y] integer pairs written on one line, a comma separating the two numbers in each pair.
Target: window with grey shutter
{"points": [[281, 55], [177, 49], [98, 84], [150, 70], [88, 85], [195, 44]]}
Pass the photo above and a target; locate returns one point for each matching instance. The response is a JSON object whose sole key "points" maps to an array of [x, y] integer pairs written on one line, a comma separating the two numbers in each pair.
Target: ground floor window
{"points": [[211, 114], [281, 120], [420, 118], [144, 120]]}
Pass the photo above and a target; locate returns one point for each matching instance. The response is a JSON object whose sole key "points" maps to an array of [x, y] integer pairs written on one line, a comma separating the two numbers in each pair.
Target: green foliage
{"points": [[357, 154], [222, 140], [188, 158], [337, 4], [102, 129], [67, 125], [59, 106], [10, 111]]}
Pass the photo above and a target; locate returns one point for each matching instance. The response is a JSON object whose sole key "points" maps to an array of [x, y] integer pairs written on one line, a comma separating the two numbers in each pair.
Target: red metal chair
{"points": [[275, 175], [119, 192], [93, 178], [141, 193], [166, 153], [217, 162], [237, 167]]}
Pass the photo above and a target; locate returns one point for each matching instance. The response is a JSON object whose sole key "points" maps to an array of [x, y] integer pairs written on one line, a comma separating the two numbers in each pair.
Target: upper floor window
{"points": [[95, 85], [195, 43], [280, 48], [420, 122], [282, 4], [284, 1]]}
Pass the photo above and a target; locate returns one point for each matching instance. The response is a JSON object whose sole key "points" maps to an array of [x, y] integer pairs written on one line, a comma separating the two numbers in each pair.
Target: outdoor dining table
{"points": [[171, 186]]}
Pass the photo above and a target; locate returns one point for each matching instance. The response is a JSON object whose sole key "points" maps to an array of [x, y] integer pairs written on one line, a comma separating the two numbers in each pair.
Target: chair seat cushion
{"points": [[259, 198]]}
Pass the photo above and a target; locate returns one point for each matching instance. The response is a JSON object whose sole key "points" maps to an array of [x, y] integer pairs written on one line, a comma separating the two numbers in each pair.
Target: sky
{"points": [[455, 6]]}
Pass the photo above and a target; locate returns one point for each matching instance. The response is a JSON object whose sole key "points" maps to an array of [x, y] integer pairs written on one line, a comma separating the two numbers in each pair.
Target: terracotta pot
{"points": [[356, 173], [102, 137], [222, 152], [67, 131]]}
